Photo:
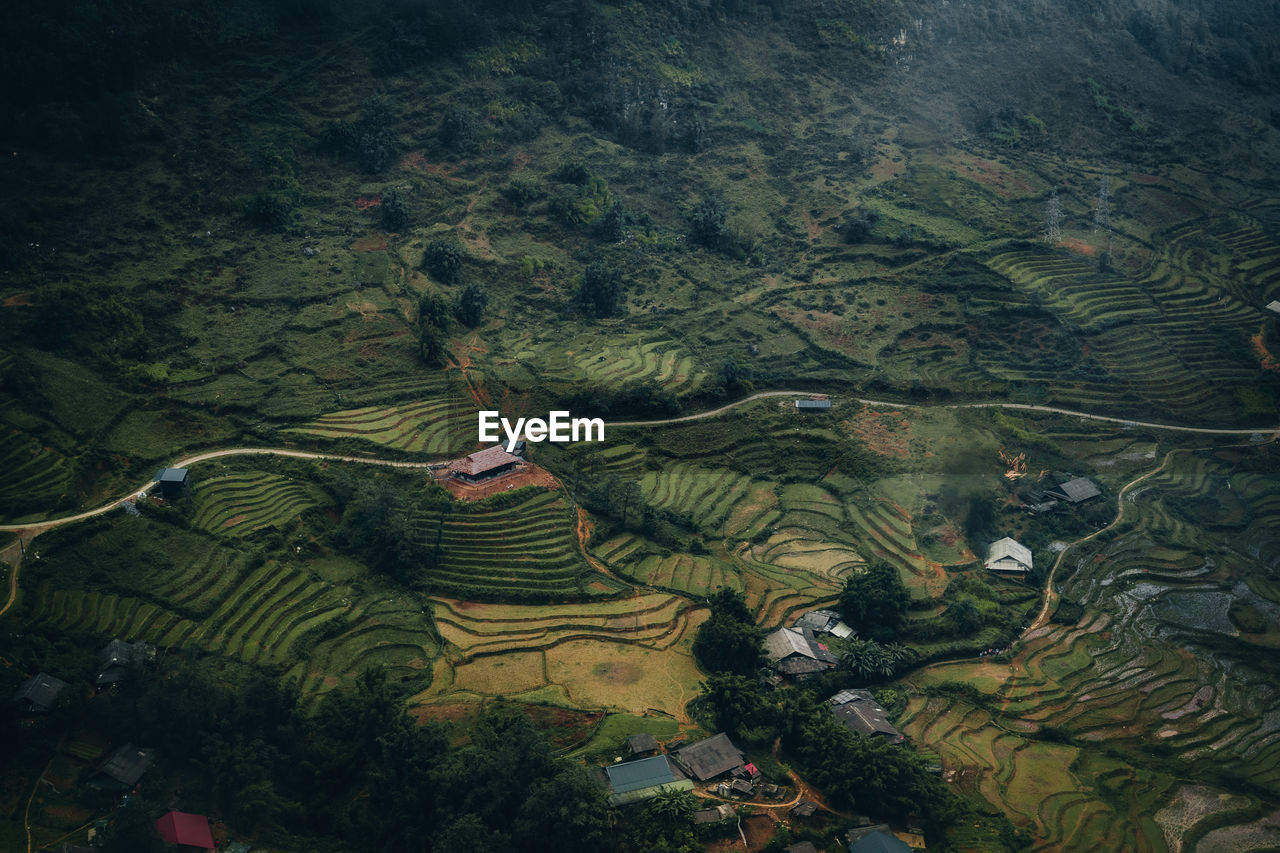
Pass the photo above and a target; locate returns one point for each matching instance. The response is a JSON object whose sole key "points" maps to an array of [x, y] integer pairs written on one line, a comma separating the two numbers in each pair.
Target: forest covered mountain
{"points": [[1011, 244]]}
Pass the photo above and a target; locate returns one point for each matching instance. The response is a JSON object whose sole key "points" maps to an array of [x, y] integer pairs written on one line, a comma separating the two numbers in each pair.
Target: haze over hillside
{"points": [[858, 288]]}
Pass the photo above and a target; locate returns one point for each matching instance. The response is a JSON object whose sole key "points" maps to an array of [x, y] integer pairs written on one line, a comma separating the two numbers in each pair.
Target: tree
{"points": [[730, 641], [671, 808], [471, 305], [735, 701], [600, 291], [459, 130], [443, 259], [433, 327], [707, 223], [871, 661], [394, 215], [858, 229], [875, 602], [734, 379], [613, 227], [963, 617]]}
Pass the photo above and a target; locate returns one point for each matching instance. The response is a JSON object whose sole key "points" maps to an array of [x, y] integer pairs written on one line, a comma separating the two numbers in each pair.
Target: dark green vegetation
{"points": [[351, 226], [729, 641], [272, 190], [358, 774]]}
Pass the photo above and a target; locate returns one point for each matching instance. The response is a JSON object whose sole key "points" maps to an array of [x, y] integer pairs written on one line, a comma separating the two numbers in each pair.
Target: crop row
{"points": [[439, 426], [528, 548], [34, 475], [652, 620], [663, 363], [239, 504]]}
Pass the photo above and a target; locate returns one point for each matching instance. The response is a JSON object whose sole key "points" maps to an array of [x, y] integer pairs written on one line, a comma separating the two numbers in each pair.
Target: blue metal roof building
{"points": [[633, 781]]}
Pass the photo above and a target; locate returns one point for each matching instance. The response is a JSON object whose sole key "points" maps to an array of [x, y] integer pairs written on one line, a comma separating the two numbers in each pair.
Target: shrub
{"points": [[521, 193], [273, 210], [459, 130], [572, 172]]}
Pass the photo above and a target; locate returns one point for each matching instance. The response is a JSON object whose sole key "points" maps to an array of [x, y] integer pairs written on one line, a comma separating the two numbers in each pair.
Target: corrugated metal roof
{"points": [[710, 757], [782, 642], [813, 404], [652, 791], [879, 842], [642, 742], [127, 764], [1007, 551], [860, 711], [40, 691], [645, 773], [1079, 489]]}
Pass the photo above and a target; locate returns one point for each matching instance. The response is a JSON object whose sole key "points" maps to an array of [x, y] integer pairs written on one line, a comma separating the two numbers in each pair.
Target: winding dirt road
{"points": [[1050, 596], [33, 528]]}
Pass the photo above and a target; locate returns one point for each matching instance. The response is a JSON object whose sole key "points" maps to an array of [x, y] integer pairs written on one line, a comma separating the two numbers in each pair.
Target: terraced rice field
{"points": [[1161, 335], [626, 654], [1149, 664], [787, 546], [267, 616], [695, 575], [1075, 291], [35, 475], [528, 548], [240, 504], [440, 426], [1052, 791], [623, 360], [717, 500]]}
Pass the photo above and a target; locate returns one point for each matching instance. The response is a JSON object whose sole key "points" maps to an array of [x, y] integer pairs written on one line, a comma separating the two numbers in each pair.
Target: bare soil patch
{"points": [[422, 164], [1078, 246], [618, 672], [527, 474], [364, 202], [374, 243], [1003, 180]]}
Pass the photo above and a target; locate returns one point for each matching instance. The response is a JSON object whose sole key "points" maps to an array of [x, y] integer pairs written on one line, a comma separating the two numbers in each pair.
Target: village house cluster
{"points": [[724, 777]]}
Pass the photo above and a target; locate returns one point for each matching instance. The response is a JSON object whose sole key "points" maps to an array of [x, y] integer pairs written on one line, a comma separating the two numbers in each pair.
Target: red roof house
{"points": [[191, 830]]}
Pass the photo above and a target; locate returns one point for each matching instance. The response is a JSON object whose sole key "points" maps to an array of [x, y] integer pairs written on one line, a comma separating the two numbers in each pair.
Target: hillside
{"points": [[294, 224]]}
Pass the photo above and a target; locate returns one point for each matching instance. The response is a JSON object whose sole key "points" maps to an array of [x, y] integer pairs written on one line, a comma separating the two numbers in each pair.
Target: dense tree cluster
{"points": [[434, 322], [368, 142], [443, 259], [357, 775], [393, 214], [377, 526], [729, 641], [471, 304], [601, 289], [874, 602], [883, 779]]}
